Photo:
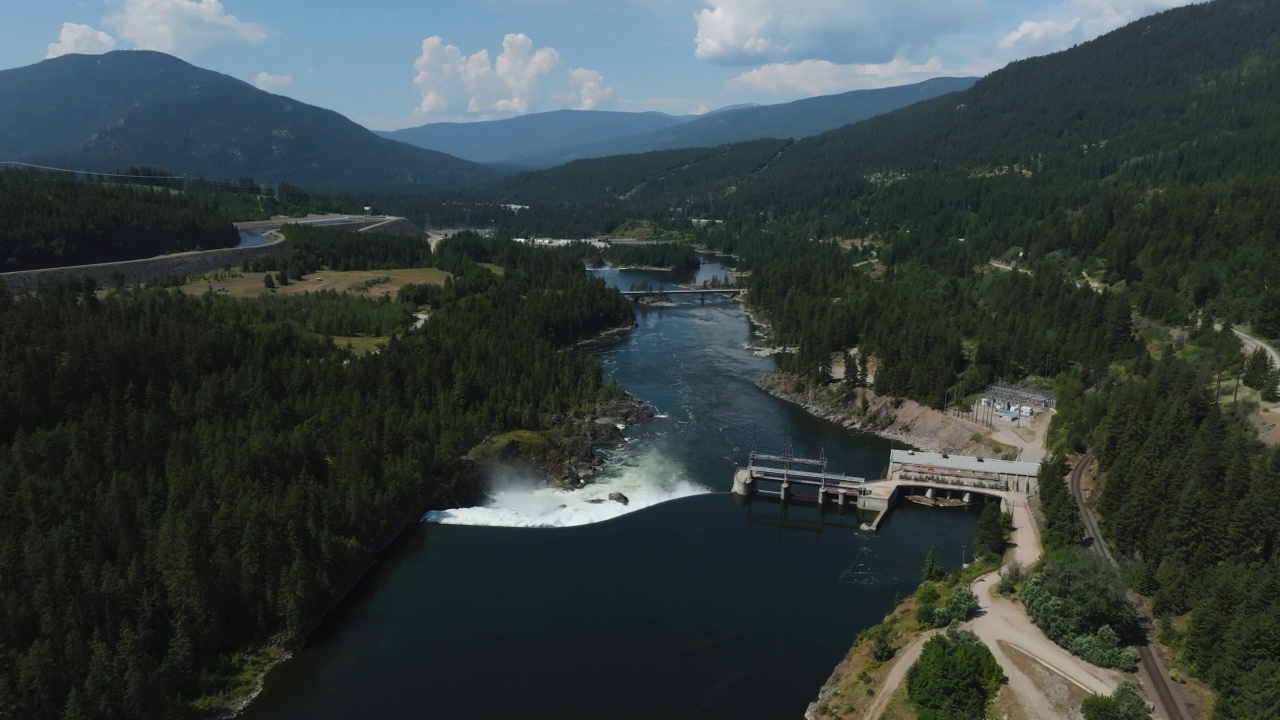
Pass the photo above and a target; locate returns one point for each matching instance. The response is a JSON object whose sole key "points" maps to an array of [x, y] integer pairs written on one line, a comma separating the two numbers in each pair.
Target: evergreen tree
{"points": [[989, 533], [955, 678], [1258, 370], [932, 570]]}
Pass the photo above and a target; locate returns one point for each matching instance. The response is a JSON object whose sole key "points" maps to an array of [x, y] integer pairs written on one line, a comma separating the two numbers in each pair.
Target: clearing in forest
{"points": [[371, 282]]}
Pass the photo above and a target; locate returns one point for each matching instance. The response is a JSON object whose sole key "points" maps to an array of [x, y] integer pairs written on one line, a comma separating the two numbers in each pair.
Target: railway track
{"points": [[1149, 670]]}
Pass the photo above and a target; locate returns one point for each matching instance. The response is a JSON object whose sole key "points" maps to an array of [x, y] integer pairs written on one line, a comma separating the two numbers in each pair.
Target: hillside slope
{"points": [[1148, 154], [136, 108], [793, 120]]}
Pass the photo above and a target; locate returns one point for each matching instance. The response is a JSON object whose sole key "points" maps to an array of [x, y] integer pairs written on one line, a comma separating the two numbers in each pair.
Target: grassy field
{"points": [[251, 284], [361, 345], [527, 438]]}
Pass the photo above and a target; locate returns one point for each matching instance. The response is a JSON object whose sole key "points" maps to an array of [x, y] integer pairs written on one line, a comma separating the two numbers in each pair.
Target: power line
{"points": [[100, 174]]}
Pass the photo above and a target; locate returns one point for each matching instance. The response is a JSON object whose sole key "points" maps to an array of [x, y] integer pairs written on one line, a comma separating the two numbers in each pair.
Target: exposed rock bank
{"points": [[897, 419], [564, 450]]}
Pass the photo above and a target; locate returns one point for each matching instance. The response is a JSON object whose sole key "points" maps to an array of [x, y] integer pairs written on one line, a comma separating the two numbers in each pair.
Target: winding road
{"points": [[1004, 628], [1251, 344]]}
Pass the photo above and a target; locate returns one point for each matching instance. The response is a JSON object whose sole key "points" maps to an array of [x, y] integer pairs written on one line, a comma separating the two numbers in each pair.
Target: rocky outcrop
{"points": [[564, 449], [619, 498], [861, 409]]}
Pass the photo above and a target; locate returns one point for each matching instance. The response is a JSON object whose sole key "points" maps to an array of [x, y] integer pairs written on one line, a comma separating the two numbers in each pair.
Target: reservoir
{"points": [[683, 604]]}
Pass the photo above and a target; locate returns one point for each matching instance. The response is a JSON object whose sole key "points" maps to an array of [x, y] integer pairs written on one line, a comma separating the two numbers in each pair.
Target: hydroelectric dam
{"points": [[934, 477]]}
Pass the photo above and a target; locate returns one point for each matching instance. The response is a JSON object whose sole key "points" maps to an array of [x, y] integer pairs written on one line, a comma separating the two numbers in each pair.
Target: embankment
{"points": [[861, 409], [140, 271]]}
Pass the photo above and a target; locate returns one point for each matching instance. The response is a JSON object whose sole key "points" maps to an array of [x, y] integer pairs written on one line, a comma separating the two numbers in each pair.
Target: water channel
{"points": [[684, 604]]}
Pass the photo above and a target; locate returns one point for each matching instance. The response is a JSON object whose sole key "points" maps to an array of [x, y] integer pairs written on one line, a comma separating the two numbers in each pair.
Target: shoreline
{"points": [[606, 415], [862, 410], [896, 419]]}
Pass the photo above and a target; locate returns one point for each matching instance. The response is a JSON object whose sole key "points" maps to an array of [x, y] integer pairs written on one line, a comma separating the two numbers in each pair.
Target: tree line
{"points": [[188, 478], [1189, 504], [55, 220]]}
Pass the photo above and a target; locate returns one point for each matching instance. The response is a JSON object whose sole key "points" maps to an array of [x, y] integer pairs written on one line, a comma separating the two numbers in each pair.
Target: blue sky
{"points": [[397, 63]]}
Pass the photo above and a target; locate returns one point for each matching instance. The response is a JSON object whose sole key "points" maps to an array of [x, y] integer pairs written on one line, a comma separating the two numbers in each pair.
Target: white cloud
{"points": [[1062, 25], [76, 38], [821, 77], [742, 32], [519, 80], [186, 28], [590, 89], [272, 83], [1033, 33]]}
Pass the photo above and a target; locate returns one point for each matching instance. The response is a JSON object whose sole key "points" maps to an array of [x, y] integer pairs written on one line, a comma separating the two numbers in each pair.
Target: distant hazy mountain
{"points": [[135, 108], [799, 119], [547, 139], [549, 133]]}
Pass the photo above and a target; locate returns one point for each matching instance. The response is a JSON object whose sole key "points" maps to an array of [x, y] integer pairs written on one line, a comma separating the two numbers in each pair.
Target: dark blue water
{"points": [[698, 607]]}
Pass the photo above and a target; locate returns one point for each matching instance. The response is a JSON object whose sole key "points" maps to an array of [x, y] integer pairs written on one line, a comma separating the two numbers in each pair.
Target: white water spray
{"points": [[515, 501]]}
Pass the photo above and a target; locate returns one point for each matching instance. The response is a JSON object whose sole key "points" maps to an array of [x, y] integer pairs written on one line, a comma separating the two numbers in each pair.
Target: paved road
{"points": [[1152, 670], [314, 220], [1252, 343]]}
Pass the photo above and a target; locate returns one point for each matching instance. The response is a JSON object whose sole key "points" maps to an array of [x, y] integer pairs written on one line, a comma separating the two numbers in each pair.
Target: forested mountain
{"points": [[793, 120], [638, 183], [133, 108], [50, 221], [543, 140], [1148, 155], [516, 140], [191, 478]]}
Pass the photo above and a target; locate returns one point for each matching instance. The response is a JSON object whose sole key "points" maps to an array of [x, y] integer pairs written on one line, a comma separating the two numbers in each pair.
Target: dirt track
{"points": [[1003, 625]]}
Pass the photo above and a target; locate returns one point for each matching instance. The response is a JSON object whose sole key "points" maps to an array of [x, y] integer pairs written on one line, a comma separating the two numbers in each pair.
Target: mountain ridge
{"points": [[795, 120], [135, 108], [505, 141], [542, 140]]}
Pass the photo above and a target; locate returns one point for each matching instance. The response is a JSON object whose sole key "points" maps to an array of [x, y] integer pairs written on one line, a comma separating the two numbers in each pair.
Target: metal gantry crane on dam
{"points": [[791, 473]]}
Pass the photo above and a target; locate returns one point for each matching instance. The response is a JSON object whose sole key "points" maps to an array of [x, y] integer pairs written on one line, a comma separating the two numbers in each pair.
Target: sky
{"points": [[391, 64]]}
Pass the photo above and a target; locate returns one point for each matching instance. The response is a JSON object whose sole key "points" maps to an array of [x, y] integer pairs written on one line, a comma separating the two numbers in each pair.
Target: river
{"points": [[684, 604]]}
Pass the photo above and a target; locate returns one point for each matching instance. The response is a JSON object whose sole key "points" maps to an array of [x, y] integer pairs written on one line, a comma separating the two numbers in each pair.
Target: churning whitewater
{"points": [[646, 479]]}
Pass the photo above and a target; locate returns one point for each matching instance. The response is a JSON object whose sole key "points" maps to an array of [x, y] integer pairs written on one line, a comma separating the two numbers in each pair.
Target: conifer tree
{"points": [[932, 570]]}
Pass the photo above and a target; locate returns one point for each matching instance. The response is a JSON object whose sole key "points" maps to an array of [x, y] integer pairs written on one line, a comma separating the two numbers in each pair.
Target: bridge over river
{"points": [[635, 295]]}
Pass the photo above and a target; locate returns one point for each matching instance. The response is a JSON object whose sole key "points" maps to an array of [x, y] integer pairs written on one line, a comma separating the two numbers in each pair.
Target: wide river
{"points": [[684, 604]]}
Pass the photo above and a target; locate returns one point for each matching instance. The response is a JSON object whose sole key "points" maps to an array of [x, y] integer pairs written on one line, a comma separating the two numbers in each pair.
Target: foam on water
{"points": [[646, 480]]}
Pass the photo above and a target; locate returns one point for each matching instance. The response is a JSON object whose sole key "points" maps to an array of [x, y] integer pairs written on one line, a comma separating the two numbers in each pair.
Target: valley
{"points": [[404, 453]]}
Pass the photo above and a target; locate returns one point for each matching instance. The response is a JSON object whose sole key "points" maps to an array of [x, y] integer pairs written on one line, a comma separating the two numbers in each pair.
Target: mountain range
{"points": [[139, 108], [515, 140], [545, 140], [1188, 95]]}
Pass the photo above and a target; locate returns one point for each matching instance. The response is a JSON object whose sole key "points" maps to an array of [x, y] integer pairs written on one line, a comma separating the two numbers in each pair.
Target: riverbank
{"points": [[562, 454], [897, 419]]}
